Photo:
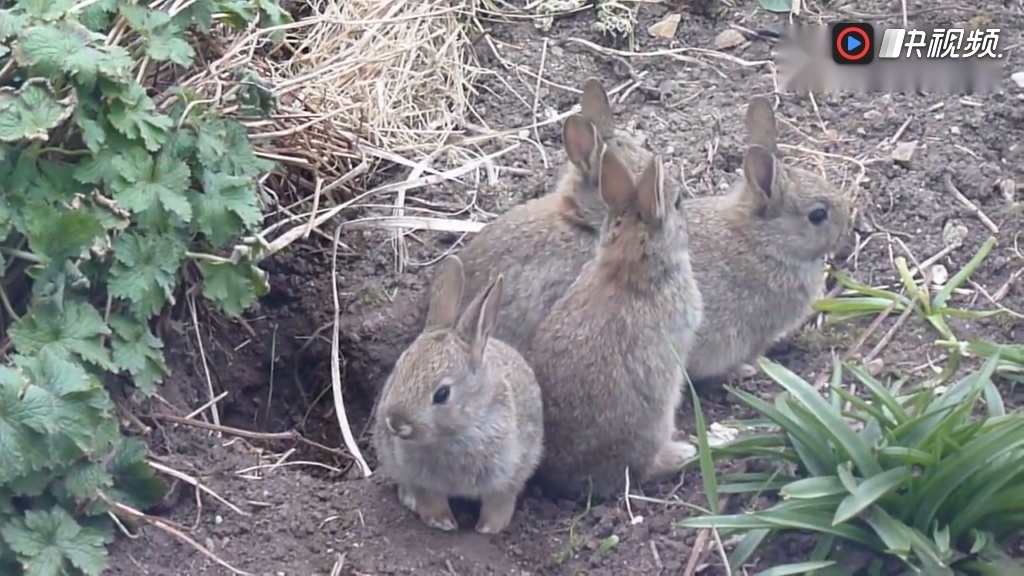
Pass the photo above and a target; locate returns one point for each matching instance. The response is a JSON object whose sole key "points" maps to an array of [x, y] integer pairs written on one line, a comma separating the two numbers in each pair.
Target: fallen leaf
{"points": [[728, 38], [666, 28], [904, 151]]}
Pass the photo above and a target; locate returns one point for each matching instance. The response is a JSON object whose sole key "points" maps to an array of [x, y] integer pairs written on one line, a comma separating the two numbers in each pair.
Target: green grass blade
{"points": [[953, 471], [817, 522], [1012, 352], [747, 546], [817, 454], [879, 393], [827, 421], [907, 456], [796, 568], [928, 555], [917, 293], [708, 476], [727, 522], [750, 487], [813, 488], [986, 496], [870, 409], [943, 295], [895, 534], [857, 305], [869, 492], [918, 430], [859, 288]]}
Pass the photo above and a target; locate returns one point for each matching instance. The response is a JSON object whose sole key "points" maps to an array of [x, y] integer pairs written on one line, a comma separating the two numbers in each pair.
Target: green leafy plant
{"points": [[928, 477], [111, 194]]}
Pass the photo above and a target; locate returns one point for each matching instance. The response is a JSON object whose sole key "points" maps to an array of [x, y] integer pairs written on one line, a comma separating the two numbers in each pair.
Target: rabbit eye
{"points": [[442, 393], [817, 216]]}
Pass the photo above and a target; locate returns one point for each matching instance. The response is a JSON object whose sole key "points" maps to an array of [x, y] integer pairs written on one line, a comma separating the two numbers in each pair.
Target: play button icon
{"points": [[851, 43]]}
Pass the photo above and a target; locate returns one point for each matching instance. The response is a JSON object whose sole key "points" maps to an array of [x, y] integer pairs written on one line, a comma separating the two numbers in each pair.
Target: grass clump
{"points": [[893, 477]]}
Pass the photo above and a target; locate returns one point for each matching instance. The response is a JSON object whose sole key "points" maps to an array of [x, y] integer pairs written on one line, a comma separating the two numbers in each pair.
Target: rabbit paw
{"points": [[432, 507], [407, 497], [670, 459], [744, 371], [496, 512]]}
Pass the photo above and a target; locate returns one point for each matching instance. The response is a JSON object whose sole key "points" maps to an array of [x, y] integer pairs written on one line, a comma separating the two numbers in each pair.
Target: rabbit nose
{"points": [[398, 426]]}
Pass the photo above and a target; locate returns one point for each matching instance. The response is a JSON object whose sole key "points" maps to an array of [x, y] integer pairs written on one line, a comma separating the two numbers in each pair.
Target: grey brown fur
{"points": [[609, 357], [757, 257], [540, 246], [486, 439]]}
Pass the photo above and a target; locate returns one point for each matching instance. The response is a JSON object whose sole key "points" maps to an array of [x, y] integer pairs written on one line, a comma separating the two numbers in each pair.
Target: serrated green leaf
{"points": [[165, 45], [56, 235], [97, 15], [233, 287], [76, 332], [143, 19], [11, 23], [46, 9], [30, 113], [227, 207], [93, 132], [870, 491], [145, 271], [139, 352], [134, 115], [49, 542], [47, 48], [84, 478], [145, 182], [23, 422], [137, 483]]}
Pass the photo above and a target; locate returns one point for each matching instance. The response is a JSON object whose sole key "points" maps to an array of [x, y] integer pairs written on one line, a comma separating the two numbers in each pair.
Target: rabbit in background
{"points": [[609, 357], [758, 253], [540, 246], [461, 413]]}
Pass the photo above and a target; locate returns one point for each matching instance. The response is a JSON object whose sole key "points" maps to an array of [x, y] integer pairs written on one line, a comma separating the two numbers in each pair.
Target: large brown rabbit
{"points": [[609, 357], [461, 414], [758, 253], [540, 246]]}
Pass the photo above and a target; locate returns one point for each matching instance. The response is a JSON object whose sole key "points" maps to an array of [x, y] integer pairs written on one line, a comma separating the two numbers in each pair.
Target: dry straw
{"points": [[352, 78]]}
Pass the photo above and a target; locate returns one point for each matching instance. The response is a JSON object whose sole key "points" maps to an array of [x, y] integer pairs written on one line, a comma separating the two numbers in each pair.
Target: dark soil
{"points": [[307, 511]]}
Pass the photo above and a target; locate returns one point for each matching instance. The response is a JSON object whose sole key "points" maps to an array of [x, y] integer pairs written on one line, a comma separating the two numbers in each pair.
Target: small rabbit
{"points": [[609, 358], [540, 246], [461, 413], [758, 253]]}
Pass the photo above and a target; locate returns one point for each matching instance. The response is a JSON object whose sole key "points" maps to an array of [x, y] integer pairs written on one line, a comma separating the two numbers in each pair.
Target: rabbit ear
{"points": [[617, 188], [479, 320], [582, 142], [446, 295], [761, 127], [652, 197], [595, 106], [760, 172]]}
